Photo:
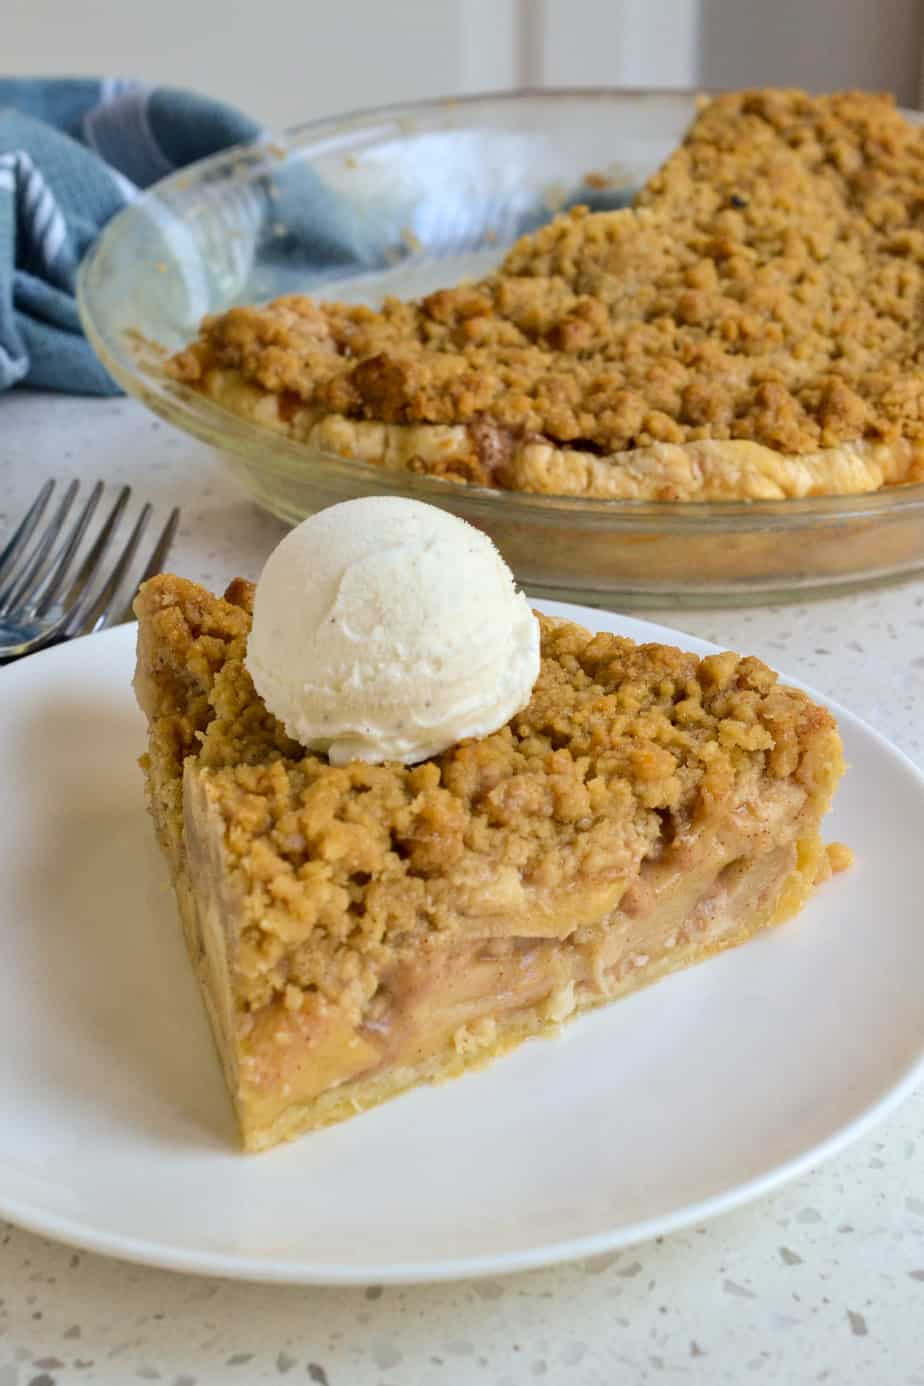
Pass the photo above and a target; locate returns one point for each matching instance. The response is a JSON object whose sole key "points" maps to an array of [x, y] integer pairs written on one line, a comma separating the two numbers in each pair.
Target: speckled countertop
{"points": [[823, 1282]]}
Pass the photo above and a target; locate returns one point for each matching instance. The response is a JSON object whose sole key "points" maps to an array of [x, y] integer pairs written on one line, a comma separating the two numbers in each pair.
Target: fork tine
{"points": [[95, 597], [24, 531], [88, 569], [64, 557], [155, 563], [95, 617], [22, 587]]}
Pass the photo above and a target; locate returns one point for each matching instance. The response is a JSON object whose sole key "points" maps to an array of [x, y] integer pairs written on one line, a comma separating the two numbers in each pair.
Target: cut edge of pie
{"points": [[359, 930]]}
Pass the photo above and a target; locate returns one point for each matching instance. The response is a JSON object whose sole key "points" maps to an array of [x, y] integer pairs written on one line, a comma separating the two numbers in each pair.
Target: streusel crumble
{"points": [[358, 929], [750, 327]]}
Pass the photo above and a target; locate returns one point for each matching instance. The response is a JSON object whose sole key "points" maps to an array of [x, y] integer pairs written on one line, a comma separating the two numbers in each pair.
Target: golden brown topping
{"points": [[345, 869], [766, 286]]}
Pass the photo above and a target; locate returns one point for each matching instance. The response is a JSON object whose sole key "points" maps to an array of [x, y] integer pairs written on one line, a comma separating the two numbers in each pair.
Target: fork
{"points": [[38, 604]]}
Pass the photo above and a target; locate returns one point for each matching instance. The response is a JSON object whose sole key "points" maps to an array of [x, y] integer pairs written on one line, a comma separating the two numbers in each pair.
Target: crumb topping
{"points": [[342, 870], [766, 286]]}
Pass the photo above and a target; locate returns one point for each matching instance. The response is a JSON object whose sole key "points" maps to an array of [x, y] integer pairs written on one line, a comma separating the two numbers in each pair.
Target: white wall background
{"points": [[289, 60]]}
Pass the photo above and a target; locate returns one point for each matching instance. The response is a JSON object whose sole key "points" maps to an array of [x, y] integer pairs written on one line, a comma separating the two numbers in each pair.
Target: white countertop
{"points": [[823, 1282]]}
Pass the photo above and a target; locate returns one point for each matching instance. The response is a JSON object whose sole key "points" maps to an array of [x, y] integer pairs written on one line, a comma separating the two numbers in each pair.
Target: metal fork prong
{"points": [[59, 605], [97, 553], [24, 531], [60, 565], [19, 591], [94, 617], [155, 563]]}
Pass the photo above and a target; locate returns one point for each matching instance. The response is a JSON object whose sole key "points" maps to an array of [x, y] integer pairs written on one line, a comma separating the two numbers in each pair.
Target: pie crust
{"points": [[749, 329], [358, 930]]}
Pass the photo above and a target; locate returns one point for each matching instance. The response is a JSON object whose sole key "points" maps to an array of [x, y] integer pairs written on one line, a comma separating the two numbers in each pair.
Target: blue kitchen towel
{"points": [[73, 152]]}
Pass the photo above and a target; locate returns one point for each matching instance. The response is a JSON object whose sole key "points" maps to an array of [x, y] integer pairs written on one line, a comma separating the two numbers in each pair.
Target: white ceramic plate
{"points": [[685, 1100]]}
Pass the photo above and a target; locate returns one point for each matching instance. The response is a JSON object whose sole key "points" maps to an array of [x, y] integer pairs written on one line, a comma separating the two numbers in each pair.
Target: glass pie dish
{"points": [[408, 199]]}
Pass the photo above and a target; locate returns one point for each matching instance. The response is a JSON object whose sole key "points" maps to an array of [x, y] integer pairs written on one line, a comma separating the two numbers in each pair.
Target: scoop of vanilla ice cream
{"points": [[386, 629]]}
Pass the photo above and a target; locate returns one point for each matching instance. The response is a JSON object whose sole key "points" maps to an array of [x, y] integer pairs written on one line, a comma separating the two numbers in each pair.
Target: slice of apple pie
{"points": [[362, 928]]}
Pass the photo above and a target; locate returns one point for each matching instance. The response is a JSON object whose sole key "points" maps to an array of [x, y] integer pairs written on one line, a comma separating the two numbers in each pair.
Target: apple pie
{"points": [[750, 328], [360, 929]]}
